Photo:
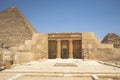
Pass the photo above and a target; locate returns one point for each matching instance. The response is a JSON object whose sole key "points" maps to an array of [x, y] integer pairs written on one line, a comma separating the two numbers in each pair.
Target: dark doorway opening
{"points": [[64, 53], [64, 49], [77, 49], [52, 49]]}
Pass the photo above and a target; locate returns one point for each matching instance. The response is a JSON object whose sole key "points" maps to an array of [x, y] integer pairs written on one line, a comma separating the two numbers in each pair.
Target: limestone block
{"points": [[33, 48], [28, 42], [88, 35], [37, 56], [107, 54], [43, 44], [27, 48], [106, 46], [34, 38], [8, 64], [21, 47], [38, 46], [22, 57], [89, 38], [90, 46], [91, 56]]}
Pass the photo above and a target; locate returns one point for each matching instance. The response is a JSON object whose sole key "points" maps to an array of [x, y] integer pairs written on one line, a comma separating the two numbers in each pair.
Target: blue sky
{"points": [[98, 16]]}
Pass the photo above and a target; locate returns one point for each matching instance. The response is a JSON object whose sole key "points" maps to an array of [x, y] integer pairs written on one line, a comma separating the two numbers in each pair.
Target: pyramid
{"points": [[14, 28], [112, 38]]}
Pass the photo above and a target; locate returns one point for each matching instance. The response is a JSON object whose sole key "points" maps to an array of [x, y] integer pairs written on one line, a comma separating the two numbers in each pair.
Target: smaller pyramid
{"points": [[112, 38], [14, 28]]}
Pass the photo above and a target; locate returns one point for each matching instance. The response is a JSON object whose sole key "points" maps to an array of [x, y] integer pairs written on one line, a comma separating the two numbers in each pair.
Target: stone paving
{"points": [[53, 78], [82, 66], [72, 69]]}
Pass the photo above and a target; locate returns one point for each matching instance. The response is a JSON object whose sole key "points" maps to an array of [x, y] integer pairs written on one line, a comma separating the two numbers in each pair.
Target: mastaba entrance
{"points": [[64, 45], [25, 44], [61, 45]]}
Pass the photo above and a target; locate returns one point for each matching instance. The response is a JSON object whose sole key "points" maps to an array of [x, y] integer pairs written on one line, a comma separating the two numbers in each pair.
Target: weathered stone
{"points": [[14, 28], [37, 46], [112, 38], [1, 57], [83, 45], [8, 64]]}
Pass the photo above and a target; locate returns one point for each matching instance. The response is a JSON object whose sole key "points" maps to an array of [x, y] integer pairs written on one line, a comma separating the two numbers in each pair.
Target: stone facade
{"points": [[14, 28], [91, 46], [65, 45], [33, 49]]}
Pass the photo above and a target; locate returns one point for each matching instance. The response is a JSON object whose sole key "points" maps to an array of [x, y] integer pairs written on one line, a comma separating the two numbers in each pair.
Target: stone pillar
{"points": [[70, 48], [58, 48]]}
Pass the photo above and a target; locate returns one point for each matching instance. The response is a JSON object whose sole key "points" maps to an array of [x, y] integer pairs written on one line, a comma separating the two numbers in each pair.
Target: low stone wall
{"points": [[107, 54], [104, 54], [105, 46], [22, 57]]}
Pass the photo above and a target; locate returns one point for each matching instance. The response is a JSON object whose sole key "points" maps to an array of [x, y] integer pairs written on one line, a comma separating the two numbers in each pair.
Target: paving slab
{"points": [[60, 69]]}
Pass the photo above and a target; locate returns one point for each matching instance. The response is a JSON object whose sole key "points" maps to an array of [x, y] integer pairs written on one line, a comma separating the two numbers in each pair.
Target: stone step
{"points": [[60, 72]]}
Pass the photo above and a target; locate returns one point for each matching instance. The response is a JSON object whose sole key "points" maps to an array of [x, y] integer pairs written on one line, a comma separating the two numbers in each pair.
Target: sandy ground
{"points": [[81, 65], [66, 69]]}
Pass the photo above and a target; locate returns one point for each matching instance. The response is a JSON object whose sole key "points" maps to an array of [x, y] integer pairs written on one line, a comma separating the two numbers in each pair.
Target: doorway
{"points": [[77, 49], [52, 49], [64, 49]]}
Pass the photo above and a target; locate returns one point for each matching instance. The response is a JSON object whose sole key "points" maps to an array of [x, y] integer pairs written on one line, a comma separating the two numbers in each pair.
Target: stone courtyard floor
{"points": [[61, 69]]}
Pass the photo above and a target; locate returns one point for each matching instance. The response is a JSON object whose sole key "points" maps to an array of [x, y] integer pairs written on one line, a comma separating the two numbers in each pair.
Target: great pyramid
{"points": [[14, 28], [112, 38]]}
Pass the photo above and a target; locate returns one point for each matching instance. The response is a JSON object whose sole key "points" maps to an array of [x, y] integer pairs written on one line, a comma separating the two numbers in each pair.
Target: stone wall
{"points": [[40, 42], [22, 57], [89, 42], [34, 49], [107, 54], [104, 54], [92, 48]]}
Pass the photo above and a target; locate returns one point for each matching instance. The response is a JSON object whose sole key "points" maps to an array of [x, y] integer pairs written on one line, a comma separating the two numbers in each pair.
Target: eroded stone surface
{"points": [[112, 38], [14, 28]]}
